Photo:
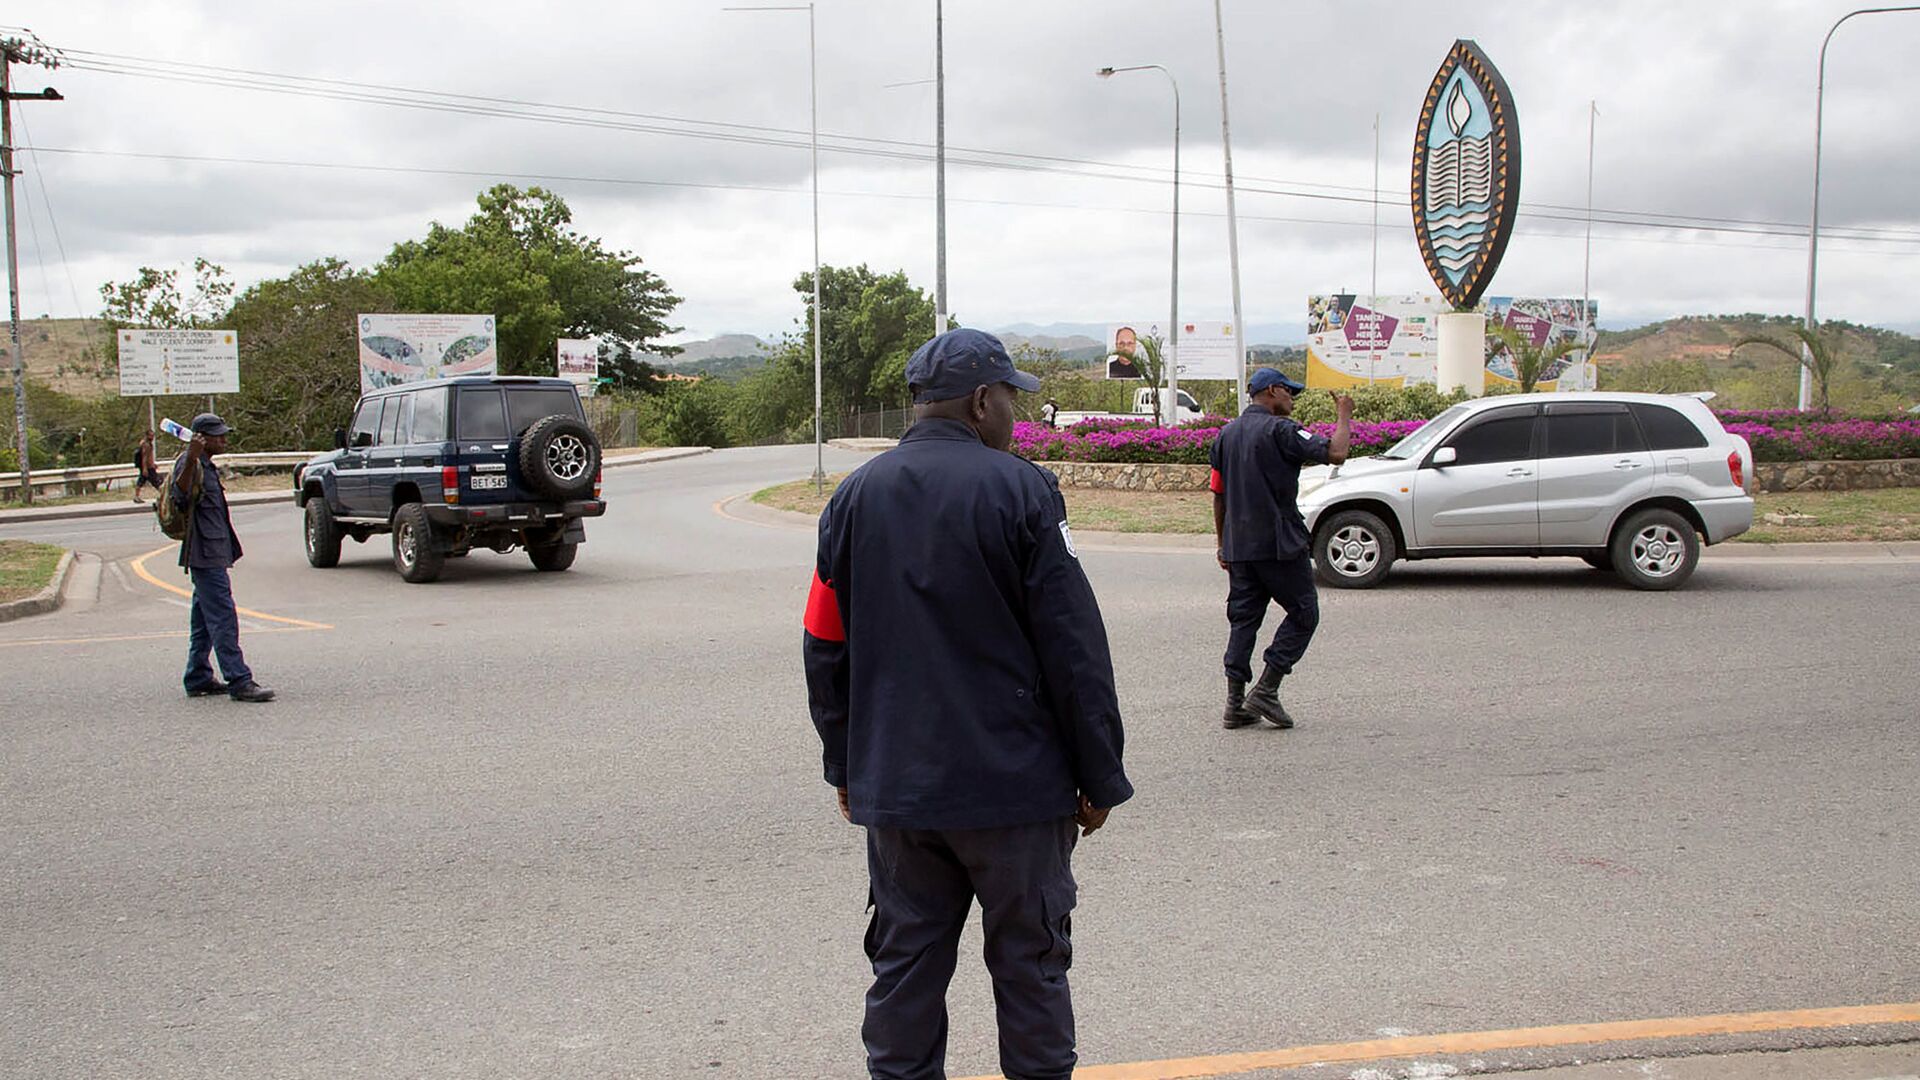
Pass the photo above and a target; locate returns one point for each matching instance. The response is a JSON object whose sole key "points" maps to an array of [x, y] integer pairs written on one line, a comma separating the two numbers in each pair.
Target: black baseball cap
{"points": [[1266, 376], [958, 362], [209, 424]]}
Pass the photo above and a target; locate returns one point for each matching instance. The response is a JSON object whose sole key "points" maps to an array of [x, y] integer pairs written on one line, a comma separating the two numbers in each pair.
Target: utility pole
{"points": [[17, 51], [1233, 223], [1586, 273], [939, 170]]}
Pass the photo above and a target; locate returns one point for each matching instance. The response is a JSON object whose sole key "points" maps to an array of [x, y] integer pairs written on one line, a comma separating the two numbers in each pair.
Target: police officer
{"points": [[211, 547], [959, 677], [1263, 542]]}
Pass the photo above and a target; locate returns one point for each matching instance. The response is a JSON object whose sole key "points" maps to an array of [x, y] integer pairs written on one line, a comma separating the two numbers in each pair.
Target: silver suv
{"points": [[1632, 483]]}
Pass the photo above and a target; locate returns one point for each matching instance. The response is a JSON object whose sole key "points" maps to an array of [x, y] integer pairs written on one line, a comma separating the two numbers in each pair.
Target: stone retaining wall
{"points": [[1771, 475]]}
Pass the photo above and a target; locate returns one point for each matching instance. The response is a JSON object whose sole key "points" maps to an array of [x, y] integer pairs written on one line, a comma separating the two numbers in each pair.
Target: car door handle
{"points": [[1623, 465], [1519, 472]]}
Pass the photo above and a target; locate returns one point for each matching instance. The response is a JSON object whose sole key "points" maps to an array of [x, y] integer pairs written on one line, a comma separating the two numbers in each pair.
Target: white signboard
{"points": [[580, 364], [162, 362], [396, 349], [1206, 349]]}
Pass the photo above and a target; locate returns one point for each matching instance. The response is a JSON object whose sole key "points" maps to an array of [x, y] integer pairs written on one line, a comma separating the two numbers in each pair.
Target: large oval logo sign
{"points": [[1466, 174]]}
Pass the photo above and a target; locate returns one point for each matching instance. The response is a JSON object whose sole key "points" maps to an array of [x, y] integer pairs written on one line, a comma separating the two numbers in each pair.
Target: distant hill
{"points": [[1879, 370], [63, 354], [726, 346]]}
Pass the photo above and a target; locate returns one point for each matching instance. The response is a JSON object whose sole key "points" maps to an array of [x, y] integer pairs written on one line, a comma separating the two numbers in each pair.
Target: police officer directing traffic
{"points": [[959, 676], [210, 549], [1263, 542]]}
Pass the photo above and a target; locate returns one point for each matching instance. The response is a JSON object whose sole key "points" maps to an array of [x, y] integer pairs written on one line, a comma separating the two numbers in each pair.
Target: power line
{"points": [[762, 135]]}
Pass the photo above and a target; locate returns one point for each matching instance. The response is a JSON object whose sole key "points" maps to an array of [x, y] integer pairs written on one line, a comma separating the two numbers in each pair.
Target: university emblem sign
{"points": [[1466, 174]]}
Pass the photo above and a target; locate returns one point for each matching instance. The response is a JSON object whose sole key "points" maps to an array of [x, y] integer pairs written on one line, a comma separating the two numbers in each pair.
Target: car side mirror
{"points": [[1446, 455], [339, 438], [364, 438]]}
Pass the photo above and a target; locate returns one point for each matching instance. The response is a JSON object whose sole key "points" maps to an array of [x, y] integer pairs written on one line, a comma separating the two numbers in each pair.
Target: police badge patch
{"points": [[1066, 535]]}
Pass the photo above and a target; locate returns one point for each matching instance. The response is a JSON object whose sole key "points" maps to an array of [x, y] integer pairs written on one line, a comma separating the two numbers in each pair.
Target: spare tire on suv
{"points": [[559, 457]]}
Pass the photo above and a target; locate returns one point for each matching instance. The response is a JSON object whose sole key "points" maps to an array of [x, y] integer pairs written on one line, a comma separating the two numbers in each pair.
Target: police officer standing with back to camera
{"points": [[1263, 542], [959, 676], [211, 547]]}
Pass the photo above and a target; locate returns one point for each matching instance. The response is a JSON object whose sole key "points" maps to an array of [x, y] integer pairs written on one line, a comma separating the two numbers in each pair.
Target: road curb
{"points": [[31, 516], [47, 599]]}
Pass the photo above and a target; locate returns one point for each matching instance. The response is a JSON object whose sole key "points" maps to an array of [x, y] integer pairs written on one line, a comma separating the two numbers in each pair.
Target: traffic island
{"points": [[33, 578]]}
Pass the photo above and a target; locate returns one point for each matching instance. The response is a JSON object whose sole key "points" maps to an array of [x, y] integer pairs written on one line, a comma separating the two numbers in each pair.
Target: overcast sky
{"points": [[1706, 111]]}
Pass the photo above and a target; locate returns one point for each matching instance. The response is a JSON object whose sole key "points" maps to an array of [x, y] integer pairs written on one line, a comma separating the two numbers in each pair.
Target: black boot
{"points": [[249, 691], [1237, 715], [1264, 700]]}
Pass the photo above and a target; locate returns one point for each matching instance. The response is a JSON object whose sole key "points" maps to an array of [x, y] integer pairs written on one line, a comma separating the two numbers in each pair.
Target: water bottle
{"points": [[175, 430]]}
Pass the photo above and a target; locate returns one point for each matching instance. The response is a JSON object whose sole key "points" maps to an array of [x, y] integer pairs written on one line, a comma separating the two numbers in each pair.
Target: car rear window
{"points": [[1578, 434], [525, 404], [481, 415], [1501, 437], [430, 415], [1668, 429]]}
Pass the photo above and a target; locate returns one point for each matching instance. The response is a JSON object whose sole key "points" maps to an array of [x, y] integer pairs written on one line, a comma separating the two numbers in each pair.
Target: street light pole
{"points": [[1586, 270], [813, 105], [1813, 230], [1173, 318], [939, 170], [1233, 223], [15, 51]]}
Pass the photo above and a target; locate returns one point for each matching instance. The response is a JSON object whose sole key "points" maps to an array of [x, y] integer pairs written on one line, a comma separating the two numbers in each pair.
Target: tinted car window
{"points": [[365, 422], [1582, 433], [1503, 437], [429, 415], [390, 419], [525, 404], [1667, 429], [482, 415]]}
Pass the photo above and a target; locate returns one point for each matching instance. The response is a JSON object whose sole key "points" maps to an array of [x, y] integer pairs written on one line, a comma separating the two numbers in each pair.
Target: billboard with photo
{"points": [[1395, 340], [1206, 349], [579, 364], [396, 349]]}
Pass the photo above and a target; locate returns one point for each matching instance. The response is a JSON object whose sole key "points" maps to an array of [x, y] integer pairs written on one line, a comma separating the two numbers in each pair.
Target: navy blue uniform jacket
{"points": [[211, 542], [957, 666], [1256, 464]]}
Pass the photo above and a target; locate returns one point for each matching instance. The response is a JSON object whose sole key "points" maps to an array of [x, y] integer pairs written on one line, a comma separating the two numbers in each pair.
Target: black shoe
{"points": [[1237, 715], [209, 689], [250, 691], [1264, 699]]}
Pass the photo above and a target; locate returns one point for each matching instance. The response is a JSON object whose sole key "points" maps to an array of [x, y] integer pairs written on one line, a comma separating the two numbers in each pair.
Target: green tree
{"points": [[624, 369], [696, 414], [298, 354], [159, 299], [1530, 360], [518, 260], [872, 325], [1818, 357]]}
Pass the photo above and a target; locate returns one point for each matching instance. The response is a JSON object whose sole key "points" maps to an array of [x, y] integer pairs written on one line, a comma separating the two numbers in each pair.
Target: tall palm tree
{"points": [[1817, 358], [1530, 360]]}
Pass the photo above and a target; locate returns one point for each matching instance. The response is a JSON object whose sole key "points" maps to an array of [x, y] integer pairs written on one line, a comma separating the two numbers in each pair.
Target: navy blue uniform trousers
{"points": [[214, 626], [924, 882], [1251, 587]]}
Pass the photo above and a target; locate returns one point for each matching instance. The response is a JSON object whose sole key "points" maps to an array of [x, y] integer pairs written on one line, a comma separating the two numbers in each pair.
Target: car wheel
{"points": [[552, 556], [1353, 549], [1655, 549], [1601, 561], [323, 534], [414, 553], [559, 457]]}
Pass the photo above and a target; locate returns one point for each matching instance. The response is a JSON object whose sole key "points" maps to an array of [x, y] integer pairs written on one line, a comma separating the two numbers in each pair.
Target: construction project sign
{"points": [[397, 349], [159, 363]]}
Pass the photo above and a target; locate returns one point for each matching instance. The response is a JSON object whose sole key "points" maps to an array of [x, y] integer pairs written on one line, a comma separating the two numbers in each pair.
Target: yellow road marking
{"points": [[140, 568], [1475, 1042]]}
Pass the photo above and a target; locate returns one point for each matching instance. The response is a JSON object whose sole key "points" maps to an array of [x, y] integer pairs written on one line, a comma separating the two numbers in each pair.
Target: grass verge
{"points": [[1888, 515], [26, 568]]}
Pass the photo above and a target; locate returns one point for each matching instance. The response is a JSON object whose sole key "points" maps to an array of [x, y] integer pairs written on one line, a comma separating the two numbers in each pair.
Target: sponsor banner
{"points": [[1395, 340], [579, 364], [162, 362], [396, 349], [1206, 349]]}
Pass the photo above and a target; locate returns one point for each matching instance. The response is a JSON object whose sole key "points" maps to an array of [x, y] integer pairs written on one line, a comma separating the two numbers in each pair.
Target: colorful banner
{"points": [[162, 362], [1395, 340], [579, 364], [1206, 349], [396, 349]]}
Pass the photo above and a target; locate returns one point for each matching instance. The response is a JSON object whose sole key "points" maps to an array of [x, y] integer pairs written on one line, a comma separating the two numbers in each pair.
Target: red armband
{"points": [[1214, 484], [823, 612]]}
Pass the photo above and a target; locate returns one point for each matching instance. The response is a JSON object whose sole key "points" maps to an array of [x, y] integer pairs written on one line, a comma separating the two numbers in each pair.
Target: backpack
{"points": [[176, 522]]}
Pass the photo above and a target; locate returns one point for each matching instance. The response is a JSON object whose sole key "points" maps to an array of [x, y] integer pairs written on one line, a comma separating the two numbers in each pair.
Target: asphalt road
{"points": [[518, 824]]}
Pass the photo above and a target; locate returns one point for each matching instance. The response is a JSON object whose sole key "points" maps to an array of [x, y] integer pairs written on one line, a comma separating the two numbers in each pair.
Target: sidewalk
{"points": [[34, 514]]}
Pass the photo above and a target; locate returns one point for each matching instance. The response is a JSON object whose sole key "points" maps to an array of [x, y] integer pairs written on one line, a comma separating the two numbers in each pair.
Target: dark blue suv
{"points": [[453, 464]]}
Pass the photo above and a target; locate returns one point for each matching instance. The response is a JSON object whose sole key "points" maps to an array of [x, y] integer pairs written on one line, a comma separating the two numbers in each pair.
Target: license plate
{"points": [[479, 483]]}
